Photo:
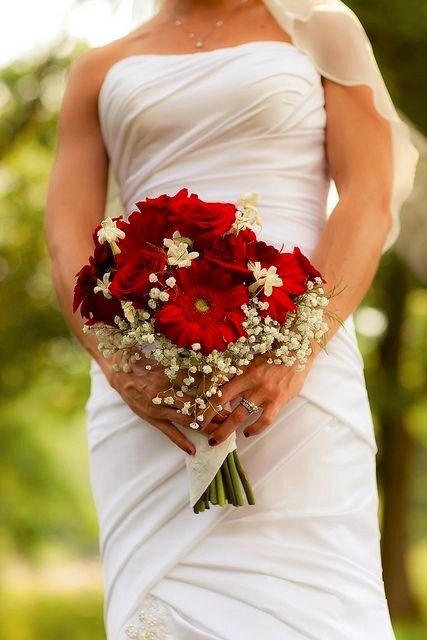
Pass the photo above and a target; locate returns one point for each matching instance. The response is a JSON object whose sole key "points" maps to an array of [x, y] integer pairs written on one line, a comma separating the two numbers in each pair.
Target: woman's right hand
{"points": [[139, 387]]}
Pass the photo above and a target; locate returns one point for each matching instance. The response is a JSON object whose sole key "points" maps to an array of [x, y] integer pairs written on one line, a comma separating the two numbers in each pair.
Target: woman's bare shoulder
{"points": [[88, 70]]}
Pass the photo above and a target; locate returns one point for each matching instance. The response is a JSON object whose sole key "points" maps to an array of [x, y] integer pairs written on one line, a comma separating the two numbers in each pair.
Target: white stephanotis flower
{"points": [[102, 285], [110, 233], [247, 214], [178, 254], [266, 278]]}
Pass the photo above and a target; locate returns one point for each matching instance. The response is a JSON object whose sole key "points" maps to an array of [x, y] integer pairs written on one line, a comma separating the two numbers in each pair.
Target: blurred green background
{"points": [[50, 580]]}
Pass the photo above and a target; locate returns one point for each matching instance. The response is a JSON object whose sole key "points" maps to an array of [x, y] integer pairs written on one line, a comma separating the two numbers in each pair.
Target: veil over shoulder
{"points": [[333, 36]]}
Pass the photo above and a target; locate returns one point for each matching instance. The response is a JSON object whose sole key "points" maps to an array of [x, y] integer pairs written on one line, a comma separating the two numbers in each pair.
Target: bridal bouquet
{"points": [[188, 284]]}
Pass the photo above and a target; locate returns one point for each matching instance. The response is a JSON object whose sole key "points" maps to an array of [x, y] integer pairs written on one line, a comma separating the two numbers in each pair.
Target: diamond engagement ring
{"points": [[249, 405]]}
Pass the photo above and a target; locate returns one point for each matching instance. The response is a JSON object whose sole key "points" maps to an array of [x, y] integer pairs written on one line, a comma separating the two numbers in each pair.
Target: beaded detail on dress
{"points": [[151, 622]]}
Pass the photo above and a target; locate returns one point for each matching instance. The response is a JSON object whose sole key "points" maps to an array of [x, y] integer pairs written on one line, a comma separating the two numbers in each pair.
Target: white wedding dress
{"points": [[304, 562]]}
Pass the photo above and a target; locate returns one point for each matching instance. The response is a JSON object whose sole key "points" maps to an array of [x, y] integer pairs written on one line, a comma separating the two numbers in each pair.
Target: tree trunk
{"points": [[395, 476], [396, 449]]}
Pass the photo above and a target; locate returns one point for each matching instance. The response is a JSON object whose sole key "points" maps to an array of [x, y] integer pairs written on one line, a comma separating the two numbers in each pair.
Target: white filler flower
{"points": [[266, 278], [110, 233], [247, 214], [129, 312], [102, 285], [178, 254]]}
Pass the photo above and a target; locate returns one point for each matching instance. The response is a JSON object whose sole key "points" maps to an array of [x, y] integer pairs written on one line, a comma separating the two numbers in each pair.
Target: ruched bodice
{"points": [[304, 562], [244, 118]]}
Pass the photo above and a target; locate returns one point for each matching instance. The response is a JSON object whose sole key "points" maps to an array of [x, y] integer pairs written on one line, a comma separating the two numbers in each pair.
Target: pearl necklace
{"points": [[199, 42]]}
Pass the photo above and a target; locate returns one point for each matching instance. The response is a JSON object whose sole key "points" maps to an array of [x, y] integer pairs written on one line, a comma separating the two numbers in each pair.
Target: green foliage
{"points": [[398, 32], [35, 616], [43, 372]]}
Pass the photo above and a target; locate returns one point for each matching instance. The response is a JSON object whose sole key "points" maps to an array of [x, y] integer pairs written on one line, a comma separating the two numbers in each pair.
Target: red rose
{"points": [[154, 224], [307, 266], [161, 203], [233, 253], [201, 221], [131, 281], [292, 274], [95, 307], [265, 253], [147, 229], [203, 307]]}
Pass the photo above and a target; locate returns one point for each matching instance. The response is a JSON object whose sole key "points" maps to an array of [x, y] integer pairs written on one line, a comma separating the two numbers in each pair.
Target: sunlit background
{"points": [[50, 580]]}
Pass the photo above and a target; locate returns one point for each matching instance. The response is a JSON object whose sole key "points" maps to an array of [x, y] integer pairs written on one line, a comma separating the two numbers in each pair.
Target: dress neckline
{"points": [[193, 54]]}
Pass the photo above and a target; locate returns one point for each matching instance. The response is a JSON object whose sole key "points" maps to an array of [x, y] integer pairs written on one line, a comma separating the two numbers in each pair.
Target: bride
{"points": [[278, 97]]}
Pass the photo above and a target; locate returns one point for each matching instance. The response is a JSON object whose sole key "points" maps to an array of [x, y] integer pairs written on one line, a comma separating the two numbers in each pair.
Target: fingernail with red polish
{"points": [[246, 434], [191, 451], [212, 441]]}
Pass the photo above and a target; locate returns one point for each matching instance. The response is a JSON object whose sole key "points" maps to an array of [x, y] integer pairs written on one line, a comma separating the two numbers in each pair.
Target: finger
{"points": [[143, 396], [217, 418], [236, 418], [170, 430], [171, 415], [230, 390], [173, 433], [145, 406], [265, 420], [237, 415]]}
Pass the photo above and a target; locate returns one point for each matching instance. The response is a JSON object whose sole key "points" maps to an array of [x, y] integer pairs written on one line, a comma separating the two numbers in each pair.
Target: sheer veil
{"points": [[333, 36]]}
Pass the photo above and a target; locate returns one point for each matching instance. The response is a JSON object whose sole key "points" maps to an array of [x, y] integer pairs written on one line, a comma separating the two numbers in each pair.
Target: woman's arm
{"points": [[359, 152], [360, 155], [75, 206], [77, 191]]}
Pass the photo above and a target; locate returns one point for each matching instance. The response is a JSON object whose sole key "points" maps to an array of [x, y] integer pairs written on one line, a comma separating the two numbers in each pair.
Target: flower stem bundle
{"points": [[227, 485]]}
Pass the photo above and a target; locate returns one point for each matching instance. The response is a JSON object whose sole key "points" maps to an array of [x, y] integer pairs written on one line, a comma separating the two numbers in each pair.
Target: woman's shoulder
{"points": [[88, 70]]}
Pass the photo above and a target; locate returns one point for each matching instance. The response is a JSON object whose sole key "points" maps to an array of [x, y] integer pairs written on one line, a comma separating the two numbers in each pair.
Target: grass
{"points": [[410, 631], [69, 616]]}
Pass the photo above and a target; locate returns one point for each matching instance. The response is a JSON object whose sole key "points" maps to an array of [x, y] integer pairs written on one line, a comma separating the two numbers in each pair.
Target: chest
{"points": [[256, 89]]}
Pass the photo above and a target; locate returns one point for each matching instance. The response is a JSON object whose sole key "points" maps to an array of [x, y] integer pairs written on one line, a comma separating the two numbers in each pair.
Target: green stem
{"points": [[220, 489], [228, 483], [212, 492], [235, 479], [206, 498], [197, 506], [244, 478]]}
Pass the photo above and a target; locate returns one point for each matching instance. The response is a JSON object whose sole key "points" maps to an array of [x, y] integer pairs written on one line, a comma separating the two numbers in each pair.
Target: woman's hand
{"points": [[268, 386], [139, 387]]}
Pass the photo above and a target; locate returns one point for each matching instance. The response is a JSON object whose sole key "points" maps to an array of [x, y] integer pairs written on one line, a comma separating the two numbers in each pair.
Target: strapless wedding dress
{"points": [[304, 562]]}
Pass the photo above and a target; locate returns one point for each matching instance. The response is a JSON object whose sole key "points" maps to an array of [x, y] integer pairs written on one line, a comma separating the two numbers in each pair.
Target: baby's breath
{"points": [[288, 344]]}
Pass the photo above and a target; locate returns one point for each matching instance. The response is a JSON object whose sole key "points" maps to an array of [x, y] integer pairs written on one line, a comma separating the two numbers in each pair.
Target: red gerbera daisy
{"points": [[204, 307]]}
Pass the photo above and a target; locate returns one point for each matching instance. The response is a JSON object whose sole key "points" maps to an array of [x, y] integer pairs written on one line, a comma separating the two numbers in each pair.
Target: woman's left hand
{"points": [[268, 386]]}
